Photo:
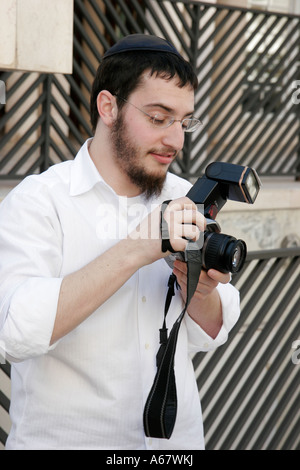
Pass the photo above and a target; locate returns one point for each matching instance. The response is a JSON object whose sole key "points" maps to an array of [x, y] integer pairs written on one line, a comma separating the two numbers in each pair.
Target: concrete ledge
{"points": [[273, 221], [275, 194]]}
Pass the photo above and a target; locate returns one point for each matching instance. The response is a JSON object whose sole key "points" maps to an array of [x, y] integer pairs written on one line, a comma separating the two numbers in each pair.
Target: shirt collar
{"points": [[84, 174]]}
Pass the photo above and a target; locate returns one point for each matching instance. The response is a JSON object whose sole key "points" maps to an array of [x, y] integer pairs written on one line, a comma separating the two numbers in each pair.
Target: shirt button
{"points": [[147, 346], [143, 299]]}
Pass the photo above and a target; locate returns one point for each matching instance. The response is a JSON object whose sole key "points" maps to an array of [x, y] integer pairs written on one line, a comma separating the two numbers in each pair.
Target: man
{"points": [[83, 278]]}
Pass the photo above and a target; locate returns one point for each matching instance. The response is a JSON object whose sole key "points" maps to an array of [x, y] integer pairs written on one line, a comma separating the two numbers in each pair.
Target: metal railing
{"points": [[249, 387], [247, 62]]}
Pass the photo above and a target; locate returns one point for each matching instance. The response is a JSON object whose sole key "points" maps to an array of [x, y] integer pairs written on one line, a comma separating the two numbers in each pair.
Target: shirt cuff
{"points": [[30, 319], [199, 340]]}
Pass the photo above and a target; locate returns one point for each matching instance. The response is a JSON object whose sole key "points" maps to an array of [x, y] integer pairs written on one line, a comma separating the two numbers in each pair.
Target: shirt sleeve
{"points": [[30, 263], [199, 340]]}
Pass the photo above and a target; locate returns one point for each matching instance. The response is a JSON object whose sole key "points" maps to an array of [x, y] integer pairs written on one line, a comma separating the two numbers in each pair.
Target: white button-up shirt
{"points": [[88, 390]]}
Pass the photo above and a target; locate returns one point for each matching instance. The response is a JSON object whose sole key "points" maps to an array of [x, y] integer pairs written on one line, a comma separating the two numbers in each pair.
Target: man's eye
{"points": [[159, 119]]}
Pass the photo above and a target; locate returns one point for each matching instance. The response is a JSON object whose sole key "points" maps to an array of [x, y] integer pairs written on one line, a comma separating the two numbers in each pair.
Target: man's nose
{"points": [[174, 136]]}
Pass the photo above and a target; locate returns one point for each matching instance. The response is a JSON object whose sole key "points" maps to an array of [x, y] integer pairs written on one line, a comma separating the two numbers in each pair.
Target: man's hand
{"points": [[205, 307], [184, 222]]}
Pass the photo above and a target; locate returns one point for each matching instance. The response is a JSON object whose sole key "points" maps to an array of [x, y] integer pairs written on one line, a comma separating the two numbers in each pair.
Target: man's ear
{"points": [[107, 107]]}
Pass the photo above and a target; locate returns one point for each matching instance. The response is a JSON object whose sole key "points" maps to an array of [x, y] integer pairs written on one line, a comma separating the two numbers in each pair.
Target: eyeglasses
{"points": [[165, 120]]}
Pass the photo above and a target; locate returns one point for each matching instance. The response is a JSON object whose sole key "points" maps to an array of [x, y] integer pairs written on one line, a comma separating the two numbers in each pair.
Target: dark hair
{"points": [[121, 74]]}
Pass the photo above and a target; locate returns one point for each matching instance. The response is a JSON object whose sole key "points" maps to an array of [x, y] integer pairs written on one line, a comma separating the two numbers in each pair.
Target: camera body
{"points": [[222, 181]]}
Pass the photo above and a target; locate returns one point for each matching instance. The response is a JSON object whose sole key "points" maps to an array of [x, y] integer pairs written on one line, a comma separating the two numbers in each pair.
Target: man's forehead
{"points": [[166, 93]]}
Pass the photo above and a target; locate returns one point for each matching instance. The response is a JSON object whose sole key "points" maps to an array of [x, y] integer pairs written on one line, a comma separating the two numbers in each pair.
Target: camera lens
{"points": [[223, 252], [236, 257]]}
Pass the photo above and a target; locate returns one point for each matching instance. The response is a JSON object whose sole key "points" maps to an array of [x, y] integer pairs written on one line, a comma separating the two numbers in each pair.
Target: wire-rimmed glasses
{"points": [[163, 120]]}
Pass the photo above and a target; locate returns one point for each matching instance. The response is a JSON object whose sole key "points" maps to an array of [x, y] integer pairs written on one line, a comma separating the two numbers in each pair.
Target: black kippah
{"points": [[141, 42]]}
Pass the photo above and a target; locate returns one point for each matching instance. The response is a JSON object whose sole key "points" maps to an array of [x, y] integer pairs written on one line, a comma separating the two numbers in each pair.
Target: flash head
{"points": [[243, 182], [251, 184], [223, 181]]}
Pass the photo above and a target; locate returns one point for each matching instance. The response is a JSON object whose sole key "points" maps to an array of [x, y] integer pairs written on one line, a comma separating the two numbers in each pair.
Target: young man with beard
{"points": [[83, 278]]}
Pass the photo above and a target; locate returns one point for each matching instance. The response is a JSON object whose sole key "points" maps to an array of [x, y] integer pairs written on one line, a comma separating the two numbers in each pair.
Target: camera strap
{"points": [[161, 406]]}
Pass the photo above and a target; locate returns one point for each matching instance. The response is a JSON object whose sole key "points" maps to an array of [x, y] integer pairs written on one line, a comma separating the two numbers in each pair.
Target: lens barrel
{"points": [[223, 252]]}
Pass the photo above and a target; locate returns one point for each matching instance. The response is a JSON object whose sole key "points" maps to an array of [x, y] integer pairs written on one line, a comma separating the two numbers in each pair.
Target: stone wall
{"points": [[36, 35], [273, 221]]}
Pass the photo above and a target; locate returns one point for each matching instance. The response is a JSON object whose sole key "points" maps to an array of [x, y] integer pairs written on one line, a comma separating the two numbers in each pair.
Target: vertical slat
{"points": [[45, 148]]}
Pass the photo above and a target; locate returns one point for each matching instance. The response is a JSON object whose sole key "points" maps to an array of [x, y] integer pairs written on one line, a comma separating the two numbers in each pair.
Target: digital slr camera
{"points": [[222, 181]]}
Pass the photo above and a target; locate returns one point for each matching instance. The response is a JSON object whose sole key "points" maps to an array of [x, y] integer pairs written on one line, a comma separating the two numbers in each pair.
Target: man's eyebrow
{"points": [[165, 108]]}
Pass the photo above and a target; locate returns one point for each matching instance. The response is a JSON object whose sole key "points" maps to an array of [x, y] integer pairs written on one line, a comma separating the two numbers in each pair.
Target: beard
{"points": [[128, 157]]}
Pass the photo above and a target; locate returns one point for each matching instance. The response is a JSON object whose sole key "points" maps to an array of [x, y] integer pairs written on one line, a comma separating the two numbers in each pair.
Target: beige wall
{"points": [[272, 222], [36, 35]]}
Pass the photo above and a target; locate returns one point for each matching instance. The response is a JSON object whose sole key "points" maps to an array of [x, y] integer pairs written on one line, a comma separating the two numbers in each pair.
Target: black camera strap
{"points": [[161, 406]]}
